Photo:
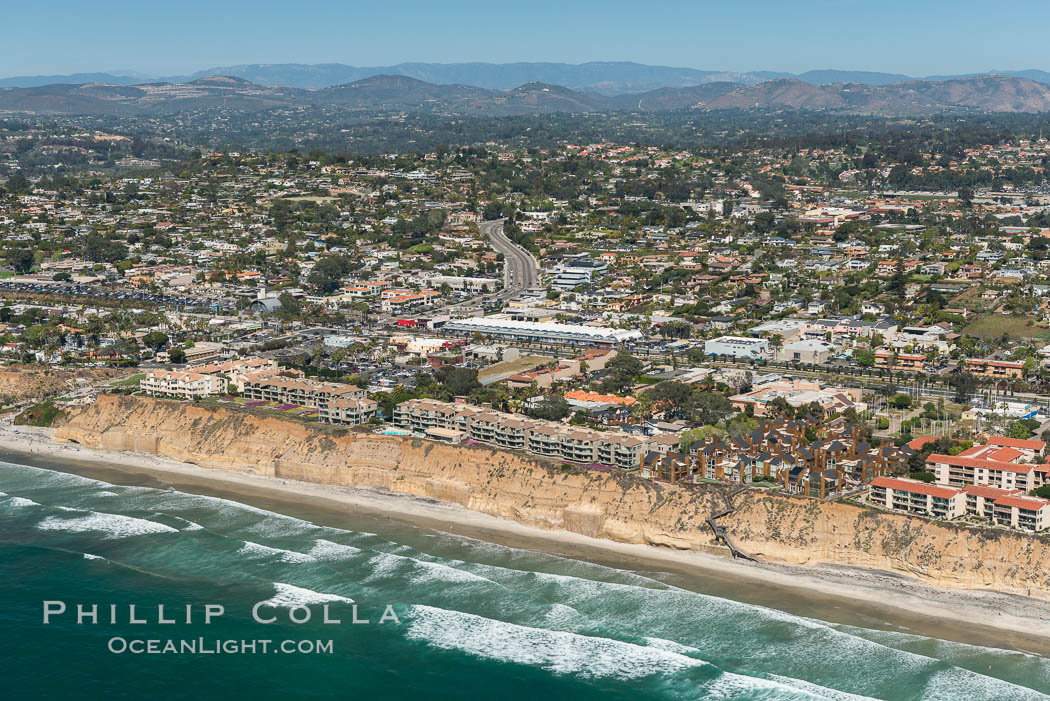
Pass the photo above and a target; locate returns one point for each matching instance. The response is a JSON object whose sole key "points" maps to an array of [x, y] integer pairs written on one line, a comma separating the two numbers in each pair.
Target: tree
{"points": [[900, 401], [20, 258], [923, 476], [964, 384], [155, 340], [458, 381], [328, 273], [621, 373], [176, 355], [99, 249], [18, 184], [553, 407], [709, 407]]}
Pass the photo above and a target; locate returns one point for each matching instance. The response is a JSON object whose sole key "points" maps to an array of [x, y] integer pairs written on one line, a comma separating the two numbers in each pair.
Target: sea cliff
{"points": [[616, 506]]}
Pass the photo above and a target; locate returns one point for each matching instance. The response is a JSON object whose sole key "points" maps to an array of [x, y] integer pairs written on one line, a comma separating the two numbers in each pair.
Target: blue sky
{"points": [[157, 37]]}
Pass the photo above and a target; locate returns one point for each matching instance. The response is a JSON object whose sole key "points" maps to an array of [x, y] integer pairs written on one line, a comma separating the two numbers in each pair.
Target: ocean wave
{"points": [[328, 550], [289, 595], [560, 652], [258, 549], [819, 691], [21, 502], [106, 493], [565, 653], [385, 564], [112, 525], [89, 556], [952, 684]]}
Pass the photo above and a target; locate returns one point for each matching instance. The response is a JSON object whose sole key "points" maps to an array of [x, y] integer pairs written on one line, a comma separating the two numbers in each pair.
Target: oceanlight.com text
{"points": [[215, 646]]}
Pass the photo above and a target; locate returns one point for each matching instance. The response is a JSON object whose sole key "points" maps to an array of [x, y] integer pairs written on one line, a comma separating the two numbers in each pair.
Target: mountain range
{"points": [[602, 77], [989, 93]]}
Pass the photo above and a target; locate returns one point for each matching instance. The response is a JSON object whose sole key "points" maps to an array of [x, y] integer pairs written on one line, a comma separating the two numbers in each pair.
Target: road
{"points": [[520, 269]]}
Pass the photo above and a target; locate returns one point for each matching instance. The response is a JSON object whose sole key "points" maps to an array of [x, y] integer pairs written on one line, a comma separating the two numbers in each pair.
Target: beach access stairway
{"points": [[720, 531]]}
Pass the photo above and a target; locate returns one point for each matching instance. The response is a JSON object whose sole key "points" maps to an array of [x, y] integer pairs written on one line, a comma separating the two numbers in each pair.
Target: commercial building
{"points": [[798, 393], [807, 351], [550, 332], [738, 347]]}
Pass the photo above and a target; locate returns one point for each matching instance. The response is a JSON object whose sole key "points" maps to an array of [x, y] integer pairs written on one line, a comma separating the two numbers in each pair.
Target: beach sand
{"points": [[836, 594]]}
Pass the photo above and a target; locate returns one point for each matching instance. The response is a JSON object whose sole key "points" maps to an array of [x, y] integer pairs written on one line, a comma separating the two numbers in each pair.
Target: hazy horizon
{"points": [[915, 39]]}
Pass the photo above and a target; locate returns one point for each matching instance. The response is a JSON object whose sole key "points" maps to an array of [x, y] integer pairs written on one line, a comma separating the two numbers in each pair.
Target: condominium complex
{"points": [[454, 423], [1007, 508], [783, 452], [917, 497], [237, 371], [349, 411], [308, 393], [995, 464], [178, 383]]}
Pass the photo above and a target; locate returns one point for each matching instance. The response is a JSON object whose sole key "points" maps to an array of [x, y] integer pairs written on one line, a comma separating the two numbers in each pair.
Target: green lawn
{"points": [[995, 325], [128, 381]]}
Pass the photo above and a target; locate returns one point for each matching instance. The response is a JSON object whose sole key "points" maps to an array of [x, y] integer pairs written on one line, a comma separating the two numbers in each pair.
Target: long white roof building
{"points": [[542, 330]]}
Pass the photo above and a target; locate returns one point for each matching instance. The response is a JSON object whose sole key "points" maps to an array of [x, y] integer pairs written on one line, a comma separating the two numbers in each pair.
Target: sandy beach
{"points": [[842, 594]]}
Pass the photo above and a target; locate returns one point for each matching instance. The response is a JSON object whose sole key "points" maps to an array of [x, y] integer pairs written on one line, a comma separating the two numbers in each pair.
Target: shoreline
{"points": [[838, 594]]}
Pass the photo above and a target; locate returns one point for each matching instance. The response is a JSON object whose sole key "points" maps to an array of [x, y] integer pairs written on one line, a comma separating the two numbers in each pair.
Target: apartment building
{"points": [[1029, 513], [548, 438], [308, 393], [783, 452], [917, 497], [179, 383], [237, 371], [349, 411], [995, 464], [1004, 369]]}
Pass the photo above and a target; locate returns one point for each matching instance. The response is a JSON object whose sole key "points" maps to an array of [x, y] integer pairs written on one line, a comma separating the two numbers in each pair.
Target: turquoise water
{"points": [[476, 620]]}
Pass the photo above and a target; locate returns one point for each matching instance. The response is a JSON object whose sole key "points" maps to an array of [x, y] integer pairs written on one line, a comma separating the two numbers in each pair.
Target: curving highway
{"points": [[520, 269]]}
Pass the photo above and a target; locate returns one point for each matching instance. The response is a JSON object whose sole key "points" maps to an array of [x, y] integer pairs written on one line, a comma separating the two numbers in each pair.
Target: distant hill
{"points": [[609, 78], [990, 93]]}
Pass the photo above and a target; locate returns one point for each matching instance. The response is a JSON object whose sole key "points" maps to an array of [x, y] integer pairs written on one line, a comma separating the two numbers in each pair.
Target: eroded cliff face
{"points": [[624, 508]]}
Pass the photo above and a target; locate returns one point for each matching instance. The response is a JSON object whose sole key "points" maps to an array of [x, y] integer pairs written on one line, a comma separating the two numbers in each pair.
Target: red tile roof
{"points": [[983, 490], [1030, 503], [960, 461], [1023, 443]]}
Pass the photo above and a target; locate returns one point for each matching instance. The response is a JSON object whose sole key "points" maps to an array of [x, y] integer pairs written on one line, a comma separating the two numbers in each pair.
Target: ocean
{"points": [[465, 618]]}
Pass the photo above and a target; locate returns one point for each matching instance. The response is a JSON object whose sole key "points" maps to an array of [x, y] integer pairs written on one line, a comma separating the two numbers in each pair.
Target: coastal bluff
{"points": [[618, 506]]}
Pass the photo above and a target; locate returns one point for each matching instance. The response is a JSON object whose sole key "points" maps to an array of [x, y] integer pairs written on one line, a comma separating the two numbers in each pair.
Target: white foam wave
{"points": [[106, 493], [257, 549], [327, 550], [22, 502], [289, 595], [386, 564], [89, 556], [113, 525], [567, 653], [819, 691], [952, 684]]}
